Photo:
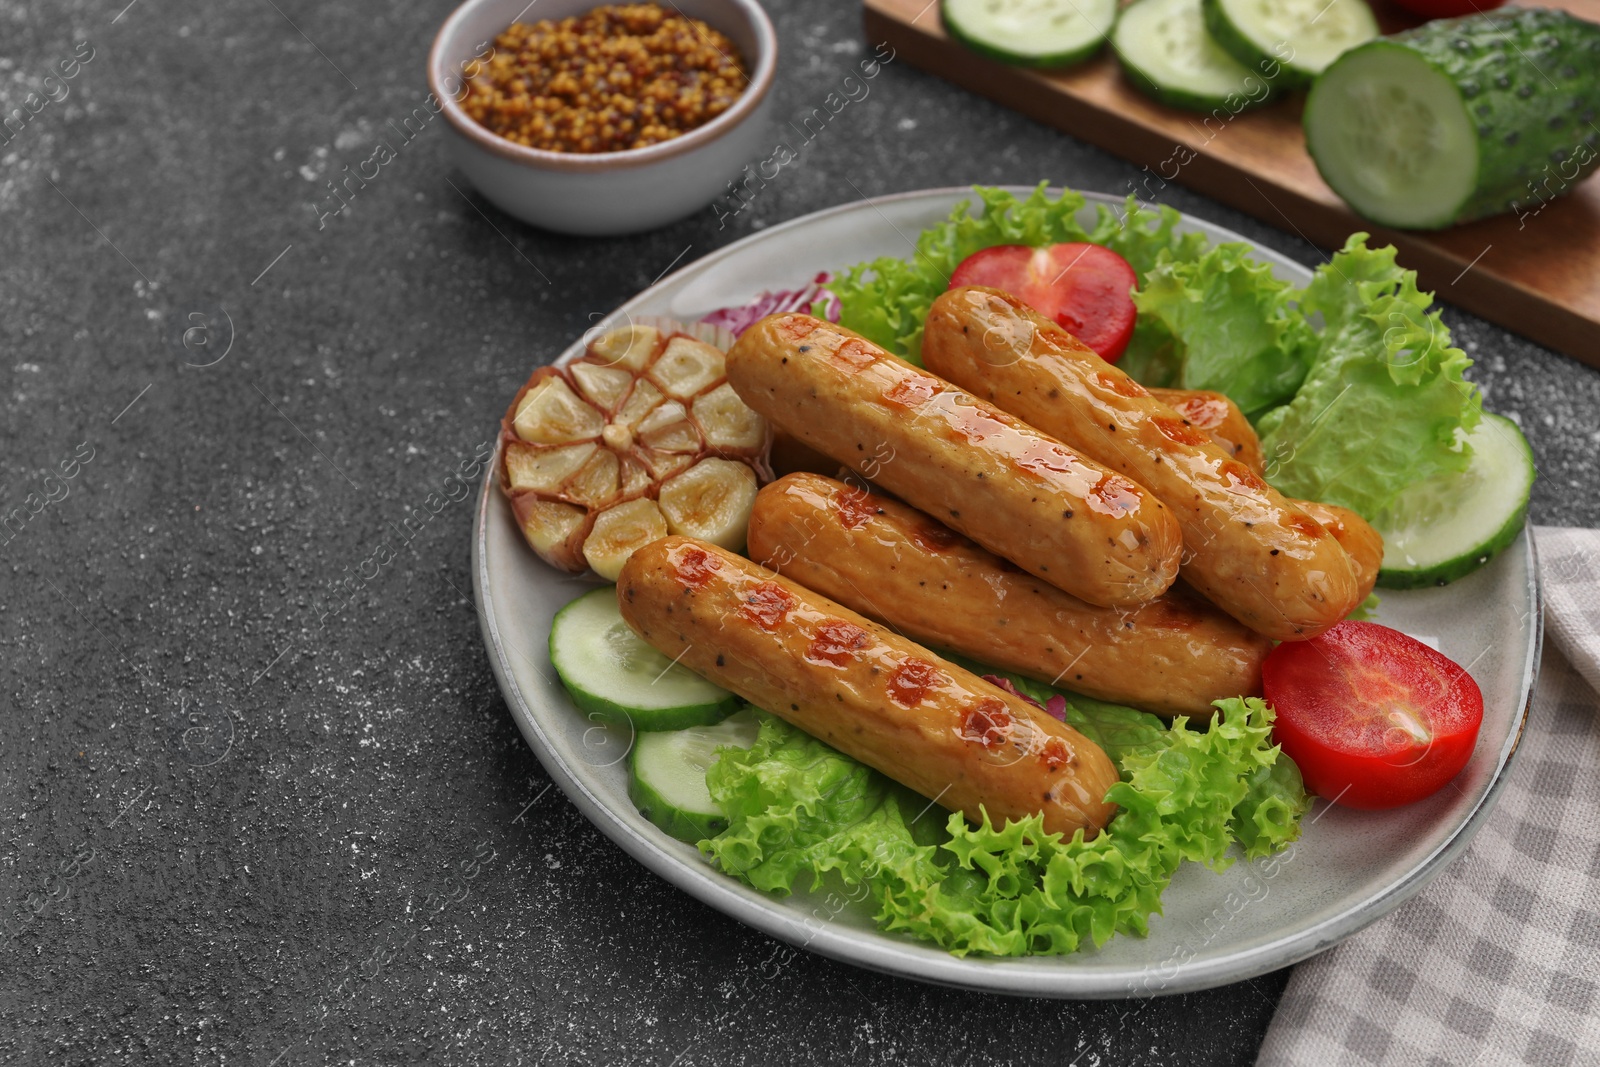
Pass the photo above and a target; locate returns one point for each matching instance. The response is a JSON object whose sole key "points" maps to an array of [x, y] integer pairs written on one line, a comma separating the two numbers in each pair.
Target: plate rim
{"points": [[875, 950]]}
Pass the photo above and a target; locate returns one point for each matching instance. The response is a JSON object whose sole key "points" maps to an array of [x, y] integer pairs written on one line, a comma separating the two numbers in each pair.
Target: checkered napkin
{"points": [[1497, 961]]}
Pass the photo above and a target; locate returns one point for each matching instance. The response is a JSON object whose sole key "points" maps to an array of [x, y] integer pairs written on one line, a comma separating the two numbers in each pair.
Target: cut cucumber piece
{"points": [[1460, 118], [1447, 527], [611, 673], [667, 775], [1289, 41], [1031, 33], [1165, 49]]}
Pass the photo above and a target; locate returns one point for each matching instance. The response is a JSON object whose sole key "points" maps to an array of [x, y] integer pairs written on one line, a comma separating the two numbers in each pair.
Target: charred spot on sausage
{"points": [[987, 723], [694, 567], [910, 682], [837, 643], [767, 605], [1055, 755]]}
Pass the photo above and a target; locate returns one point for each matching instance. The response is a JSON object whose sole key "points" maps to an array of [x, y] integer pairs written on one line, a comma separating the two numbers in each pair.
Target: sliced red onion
{"points": [[814, 298], [1056, 706]]}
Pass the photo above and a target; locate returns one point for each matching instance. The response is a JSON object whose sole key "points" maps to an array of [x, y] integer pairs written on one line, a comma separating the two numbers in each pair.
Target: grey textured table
{"points": [[236, 828]]}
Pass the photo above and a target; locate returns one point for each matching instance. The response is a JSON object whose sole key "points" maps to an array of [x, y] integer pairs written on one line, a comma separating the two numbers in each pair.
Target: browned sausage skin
{"points": [[1246, 548], [1221, 418], [1362, 543], [870, 693], [1021, 494], [1174, 655]]}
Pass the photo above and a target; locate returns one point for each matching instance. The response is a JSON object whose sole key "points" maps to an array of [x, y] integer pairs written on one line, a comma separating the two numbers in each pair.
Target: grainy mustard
{"points": [[621, 76]]}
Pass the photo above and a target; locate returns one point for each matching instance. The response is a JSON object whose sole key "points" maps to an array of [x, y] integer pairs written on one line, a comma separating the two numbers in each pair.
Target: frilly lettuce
{"points": [[887, 299], [1232, 326], [799, 810], [1384, 404]]}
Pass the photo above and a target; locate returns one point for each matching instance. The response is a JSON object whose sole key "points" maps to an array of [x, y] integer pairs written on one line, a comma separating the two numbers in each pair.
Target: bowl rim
{"points": [[761, 79]]}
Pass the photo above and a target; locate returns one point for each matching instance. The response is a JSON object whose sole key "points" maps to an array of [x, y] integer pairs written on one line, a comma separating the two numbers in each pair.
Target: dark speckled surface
{"points": [[235, 830]]}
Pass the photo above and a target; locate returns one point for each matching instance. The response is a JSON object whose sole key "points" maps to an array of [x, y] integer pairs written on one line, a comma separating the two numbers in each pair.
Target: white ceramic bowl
{"points": [[605, 192]]}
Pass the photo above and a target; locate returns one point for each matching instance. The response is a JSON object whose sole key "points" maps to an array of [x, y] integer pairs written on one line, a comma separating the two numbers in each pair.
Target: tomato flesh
{"points": [[1085, 288], [1373, 718], [1447, 9]]}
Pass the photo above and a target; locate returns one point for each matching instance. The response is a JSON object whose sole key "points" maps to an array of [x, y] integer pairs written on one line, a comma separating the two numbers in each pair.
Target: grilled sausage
{"points": [[1174, 655], [1362, 543], [1221, 418], [1084, 529], [872, 694], [1246, 549]]}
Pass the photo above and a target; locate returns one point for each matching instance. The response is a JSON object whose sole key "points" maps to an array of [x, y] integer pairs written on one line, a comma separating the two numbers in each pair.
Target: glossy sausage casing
{"points": [[1174, 655], [1362, 543], [1246, 548], [871, 694], [1220, 417], [1021, 494]]}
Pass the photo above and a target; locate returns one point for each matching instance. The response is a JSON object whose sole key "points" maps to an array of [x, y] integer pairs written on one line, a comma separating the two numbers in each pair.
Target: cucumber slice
{"points": [[612, 674], [1289, 41], [1165, 49], [667, 775], [1460, 118], [1031, 33], [1447, 527]]}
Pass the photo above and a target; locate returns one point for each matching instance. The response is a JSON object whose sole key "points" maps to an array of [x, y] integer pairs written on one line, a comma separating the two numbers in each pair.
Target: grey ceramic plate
{"points": [[1349, 868]]}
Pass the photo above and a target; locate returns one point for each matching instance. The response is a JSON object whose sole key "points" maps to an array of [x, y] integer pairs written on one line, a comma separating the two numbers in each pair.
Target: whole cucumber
{"points": [[1460, 118]]}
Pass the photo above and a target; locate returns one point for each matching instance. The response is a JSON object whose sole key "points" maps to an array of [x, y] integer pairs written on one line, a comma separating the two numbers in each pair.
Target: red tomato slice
{"points": [[1374, 718], [1447, 9], [1084, 287]]}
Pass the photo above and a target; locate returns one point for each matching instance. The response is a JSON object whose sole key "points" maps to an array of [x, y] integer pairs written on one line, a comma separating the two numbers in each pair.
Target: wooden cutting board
{"points": [[1538, 275]]}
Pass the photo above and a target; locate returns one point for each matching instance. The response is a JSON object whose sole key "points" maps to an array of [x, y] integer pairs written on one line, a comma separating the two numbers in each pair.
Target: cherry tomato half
{"points": [[1086, 288], [1374, 718]]}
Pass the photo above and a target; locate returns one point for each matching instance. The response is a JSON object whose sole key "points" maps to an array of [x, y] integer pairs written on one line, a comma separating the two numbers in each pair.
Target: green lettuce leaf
{"points": [[1268, 816], [1146, 237], [800, 812], [887, 299], [1232, 325], [1384, 404]]}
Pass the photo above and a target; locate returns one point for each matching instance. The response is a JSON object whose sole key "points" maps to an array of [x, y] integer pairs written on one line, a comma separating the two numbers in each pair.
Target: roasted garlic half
{"points": [[639, 437]]}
